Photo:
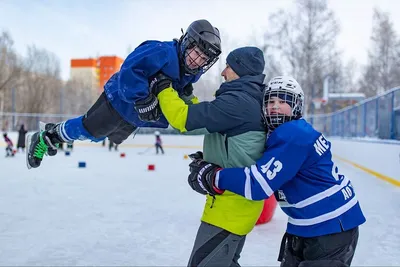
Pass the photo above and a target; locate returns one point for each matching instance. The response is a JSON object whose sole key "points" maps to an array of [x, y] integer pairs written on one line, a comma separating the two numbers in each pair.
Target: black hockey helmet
{"points": [[203, 36]]}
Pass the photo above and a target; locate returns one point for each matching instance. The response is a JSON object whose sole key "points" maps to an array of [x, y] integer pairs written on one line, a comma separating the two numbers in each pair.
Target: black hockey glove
{"points": [[197, 155], [202, 176], [148, 109], [159, 83], [188, 89]]}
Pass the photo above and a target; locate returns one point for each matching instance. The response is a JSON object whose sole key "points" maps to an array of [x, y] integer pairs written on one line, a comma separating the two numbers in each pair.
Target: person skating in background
{"points": [[9, 146], [112, 145], [21, 138], [127, 103], [158, 143], [70, 146]]}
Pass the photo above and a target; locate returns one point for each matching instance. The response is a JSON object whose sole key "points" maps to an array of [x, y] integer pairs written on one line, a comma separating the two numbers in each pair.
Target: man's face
{"points": [[229, 74], [276, 106], [195, 58]]}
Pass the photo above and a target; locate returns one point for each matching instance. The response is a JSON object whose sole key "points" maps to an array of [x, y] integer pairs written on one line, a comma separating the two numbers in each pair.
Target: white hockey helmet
{"points": [[289, 90], [156, 133]]}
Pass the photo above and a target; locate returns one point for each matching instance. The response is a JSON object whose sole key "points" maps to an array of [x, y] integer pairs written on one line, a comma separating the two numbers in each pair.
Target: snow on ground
{"points": [[115, 212]]}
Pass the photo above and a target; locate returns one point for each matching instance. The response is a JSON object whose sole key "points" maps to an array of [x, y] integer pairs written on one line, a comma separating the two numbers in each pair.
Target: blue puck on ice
{"points": [[67, 153], [82, 164]]}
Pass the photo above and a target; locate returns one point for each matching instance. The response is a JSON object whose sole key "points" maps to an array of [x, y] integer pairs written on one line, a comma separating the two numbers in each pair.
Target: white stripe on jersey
{"points": [[261, 180], [315, 198], [216, 180], [326, 216], [64, 134], [247, 185]]}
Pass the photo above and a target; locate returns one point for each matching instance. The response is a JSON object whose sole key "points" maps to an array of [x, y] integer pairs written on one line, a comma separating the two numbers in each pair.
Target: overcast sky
{"points": [[88, 28]]}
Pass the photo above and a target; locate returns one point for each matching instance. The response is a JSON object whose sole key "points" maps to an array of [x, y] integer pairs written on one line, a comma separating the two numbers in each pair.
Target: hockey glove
{"points": [[188, 89], [202, 176], [197, 155], [159, 83], [148, 109]]}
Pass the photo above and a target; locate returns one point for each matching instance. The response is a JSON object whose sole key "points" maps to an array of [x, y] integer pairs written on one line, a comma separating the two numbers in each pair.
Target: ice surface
{"points": [[115, 212]]}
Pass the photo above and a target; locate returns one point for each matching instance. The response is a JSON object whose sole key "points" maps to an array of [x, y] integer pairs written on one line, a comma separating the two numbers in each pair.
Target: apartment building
{"points": [[95, 72]]}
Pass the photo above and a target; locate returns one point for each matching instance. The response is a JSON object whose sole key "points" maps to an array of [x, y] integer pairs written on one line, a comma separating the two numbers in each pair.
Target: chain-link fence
{"points": [[377, 117]]}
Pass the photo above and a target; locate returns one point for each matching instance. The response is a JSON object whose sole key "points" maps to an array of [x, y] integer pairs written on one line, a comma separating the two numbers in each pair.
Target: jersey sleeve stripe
{"points": [[261, 180], [216, 181], [247, 185]]}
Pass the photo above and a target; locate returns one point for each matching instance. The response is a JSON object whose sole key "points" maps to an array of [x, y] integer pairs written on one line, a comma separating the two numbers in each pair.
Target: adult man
{"points": [[235, 137], [126, 102]]}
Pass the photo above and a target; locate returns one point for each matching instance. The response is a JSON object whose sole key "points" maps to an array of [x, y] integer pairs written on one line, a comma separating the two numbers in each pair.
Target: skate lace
{"points": [[41, 148]]}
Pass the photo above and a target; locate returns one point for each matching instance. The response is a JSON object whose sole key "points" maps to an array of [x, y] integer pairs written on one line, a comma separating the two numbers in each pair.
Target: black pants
{"points": [[329, 250], [158, 146], [111, 145], [216, 247], [9, 151], [102, 120]]}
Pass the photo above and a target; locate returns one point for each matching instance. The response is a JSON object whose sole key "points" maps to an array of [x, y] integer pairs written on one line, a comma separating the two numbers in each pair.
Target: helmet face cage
{"points": [[210, 51], [294, 100]]}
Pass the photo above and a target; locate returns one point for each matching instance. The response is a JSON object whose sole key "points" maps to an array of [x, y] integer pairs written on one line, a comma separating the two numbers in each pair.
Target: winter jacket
{"points": [[235, 138], [21, 137], [131, 83]]}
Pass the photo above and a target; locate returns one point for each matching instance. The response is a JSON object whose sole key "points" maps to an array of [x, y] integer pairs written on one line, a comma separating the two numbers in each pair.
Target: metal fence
{"points": [[11, 122], [376, 117]]}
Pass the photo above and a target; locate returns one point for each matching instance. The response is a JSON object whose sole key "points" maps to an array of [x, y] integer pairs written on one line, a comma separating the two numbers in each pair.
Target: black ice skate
{"points": [[40, 143]]}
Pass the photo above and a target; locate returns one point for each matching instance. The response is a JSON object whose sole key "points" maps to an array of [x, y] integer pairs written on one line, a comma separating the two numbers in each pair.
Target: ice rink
{"points": [[115, 212]]}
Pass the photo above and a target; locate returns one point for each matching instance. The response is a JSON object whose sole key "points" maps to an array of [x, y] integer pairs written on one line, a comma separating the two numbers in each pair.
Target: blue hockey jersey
{"points": [[297, 167], [131, 83]]}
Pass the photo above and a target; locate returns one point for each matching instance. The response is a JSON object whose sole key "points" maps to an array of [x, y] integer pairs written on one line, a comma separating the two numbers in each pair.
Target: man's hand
{"points": [[197, 155], [188, 89], [159, 83], [148, 109], [202, 176]]}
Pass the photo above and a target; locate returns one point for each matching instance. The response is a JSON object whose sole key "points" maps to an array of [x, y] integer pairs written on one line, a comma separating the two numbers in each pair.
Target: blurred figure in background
{"points": [[70, 146], [158, 143], [21, 138], [111, 145], [9, 146]]}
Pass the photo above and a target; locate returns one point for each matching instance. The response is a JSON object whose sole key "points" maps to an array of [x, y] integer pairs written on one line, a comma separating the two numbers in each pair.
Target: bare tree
{"points": [[41, 89], [273, 67], [383, 70], [10, 70], [77, 97], [10, 67], [349, 83], [305, 43]]}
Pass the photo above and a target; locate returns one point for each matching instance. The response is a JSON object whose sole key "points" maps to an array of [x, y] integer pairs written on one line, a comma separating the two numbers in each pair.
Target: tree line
{"points": [[304, 41]]}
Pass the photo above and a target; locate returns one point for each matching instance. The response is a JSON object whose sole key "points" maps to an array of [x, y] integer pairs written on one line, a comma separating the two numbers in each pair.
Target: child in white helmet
{"points": [[297, 167]]}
